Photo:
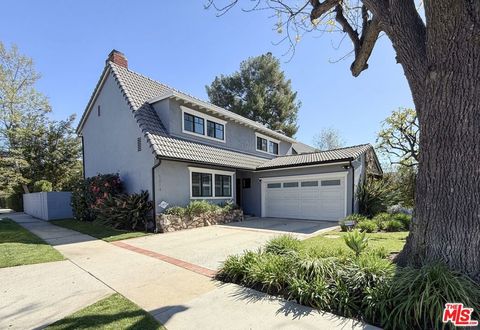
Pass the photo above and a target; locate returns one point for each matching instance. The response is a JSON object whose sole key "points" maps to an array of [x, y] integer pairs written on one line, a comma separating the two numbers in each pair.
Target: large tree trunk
{"points": [[447, 215]]}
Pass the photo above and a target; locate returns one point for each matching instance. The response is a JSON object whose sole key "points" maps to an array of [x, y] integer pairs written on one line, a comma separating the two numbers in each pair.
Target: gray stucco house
{"points": [[180, 148]]}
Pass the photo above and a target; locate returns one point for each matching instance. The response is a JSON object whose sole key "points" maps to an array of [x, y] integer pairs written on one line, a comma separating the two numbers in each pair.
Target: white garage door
{"points": [[314, 198]]}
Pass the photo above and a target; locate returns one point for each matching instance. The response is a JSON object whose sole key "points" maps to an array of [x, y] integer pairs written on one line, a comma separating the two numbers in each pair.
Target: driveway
{"points": [[208, 247], [170, 286]]}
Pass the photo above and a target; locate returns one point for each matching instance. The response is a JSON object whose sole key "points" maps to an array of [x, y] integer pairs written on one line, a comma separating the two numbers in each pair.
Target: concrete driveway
{"points": [[208, 247]]}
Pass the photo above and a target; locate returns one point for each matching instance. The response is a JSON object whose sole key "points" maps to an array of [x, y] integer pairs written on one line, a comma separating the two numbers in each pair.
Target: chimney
{"points": [[118, 58]]}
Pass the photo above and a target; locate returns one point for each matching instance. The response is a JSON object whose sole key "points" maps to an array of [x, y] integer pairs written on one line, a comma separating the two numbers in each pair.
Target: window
{"points": [[330, 182], [274, 185], [199, 123], [208, 183], [139, 144], [261, 144], [215, 130], [223, 185], [309, 184], [246, 183], [273, 147], [290, 184], [266, 144], [98, 110], [201, 184], [193, 124]]}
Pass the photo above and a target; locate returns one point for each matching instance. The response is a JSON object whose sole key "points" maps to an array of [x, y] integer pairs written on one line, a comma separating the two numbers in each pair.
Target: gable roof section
{"points": [[320, 157], [141, 92]]}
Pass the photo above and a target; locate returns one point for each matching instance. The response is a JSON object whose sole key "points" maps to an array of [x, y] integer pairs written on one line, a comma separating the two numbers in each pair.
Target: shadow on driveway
{"points": [[294, 226]]}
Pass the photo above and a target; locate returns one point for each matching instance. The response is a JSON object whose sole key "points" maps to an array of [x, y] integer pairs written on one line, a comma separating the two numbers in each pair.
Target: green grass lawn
{"points": [[97, 230], [333, 240], [18, 246], [114, 312]]}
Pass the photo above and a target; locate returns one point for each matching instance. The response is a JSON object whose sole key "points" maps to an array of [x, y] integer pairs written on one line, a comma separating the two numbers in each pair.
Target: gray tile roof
{"points": [[138, 90], [348, 153], [303, 148]]}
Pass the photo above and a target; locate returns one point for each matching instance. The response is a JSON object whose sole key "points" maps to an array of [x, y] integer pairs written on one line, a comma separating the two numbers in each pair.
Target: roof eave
{"points": [[328, 162]]}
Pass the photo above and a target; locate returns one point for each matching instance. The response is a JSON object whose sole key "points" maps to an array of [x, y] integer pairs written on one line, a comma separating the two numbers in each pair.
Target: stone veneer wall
{"points": [[168, 222]]}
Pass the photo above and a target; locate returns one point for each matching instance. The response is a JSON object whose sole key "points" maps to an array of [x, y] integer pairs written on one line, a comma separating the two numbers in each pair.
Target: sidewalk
{"points": [[177, 297]]}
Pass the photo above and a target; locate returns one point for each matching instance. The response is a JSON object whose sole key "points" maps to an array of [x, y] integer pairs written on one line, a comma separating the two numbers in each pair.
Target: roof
{"points": [[302, 148], [141, 92], [319, 157]]}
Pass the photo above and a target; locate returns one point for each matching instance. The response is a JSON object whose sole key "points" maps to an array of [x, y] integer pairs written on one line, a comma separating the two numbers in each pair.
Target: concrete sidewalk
{"points": [[177, 297]]}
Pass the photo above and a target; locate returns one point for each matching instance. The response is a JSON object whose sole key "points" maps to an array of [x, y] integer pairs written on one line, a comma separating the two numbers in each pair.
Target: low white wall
{"points": [[48, 205]]}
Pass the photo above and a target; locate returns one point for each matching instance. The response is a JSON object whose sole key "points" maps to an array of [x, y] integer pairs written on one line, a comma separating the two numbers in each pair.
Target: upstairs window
{"points": [[199, 123], [215, 130], [193, 124], [266, 144], [262, 144]]}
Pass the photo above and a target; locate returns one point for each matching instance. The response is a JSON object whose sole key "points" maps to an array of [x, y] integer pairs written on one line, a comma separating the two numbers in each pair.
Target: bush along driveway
{"points": [[18, 246], [357, 281]]}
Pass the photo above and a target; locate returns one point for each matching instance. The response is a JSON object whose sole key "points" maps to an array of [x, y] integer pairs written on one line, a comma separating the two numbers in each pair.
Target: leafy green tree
{"points": [[328, 138], [258, 91], [32, 146], [400, 137]]}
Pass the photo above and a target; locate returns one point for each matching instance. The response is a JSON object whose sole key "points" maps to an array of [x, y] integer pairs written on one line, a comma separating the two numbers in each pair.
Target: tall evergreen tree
{"points": [[258, 91]]}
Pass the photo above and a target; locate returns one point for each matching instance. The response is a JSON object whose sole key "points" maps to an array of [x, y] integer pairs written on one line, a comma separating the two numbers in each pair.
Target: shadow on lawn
{"points": [[142, 321], [11, 232]]}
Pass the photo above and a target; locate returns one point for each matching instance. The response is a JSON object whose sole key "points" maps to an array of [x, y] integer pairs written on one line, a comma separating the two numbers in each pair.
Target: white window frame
{"points": [[308, 177], [205, 118], [269, 139], [212, 172]]}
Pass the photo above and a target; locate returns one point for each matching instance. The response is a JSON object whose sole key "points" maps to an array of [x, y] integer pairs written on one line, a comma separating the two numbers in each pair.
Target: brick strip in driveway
{"points": [[174, 261]]}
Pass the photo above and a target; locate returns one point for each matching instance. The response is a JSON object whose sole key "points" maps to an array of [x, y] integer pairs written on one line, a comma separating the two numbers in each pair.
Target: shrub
{"points": [[393, 225], [89, 195], [368, 226], [229, 206], [356, 218], [356, 241], [175, 210], [42, 186], [381, 219], [126, 211], [374, 196], [416, 297], [282, 245], [196, 208], [405, 219]]}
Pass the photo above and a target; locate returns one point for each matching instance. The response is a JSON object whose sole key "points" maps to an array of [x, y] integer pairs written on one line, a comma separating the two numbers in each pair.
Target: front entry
{"points": [[313, 197]]}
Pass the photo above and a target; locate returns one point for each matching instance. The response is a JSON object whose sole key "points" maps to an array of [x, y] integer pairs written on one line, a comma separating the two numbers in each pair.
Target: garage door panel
{"points": [[310, 199]]}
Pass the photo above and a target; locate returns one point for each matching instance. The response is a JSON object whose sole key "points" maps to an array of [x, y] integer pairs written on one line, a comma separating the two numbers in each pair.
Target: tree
{"points": [[328, 138], [258, 91], [32, 146], [399, 137], [440, 57]]}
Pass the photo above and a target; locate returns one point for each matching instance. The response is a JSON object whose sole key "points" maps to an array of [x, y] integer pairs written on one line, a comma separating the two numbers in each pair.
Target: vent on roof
{"points": [[139, 144], [98, 111]]}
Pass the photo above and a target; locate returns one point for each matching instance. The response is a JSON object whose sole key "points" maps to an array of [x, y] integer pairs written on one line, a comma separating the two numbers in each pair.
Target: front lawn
{"points": [[98, 230], [333, 241], [18, 246], [114, 312]]}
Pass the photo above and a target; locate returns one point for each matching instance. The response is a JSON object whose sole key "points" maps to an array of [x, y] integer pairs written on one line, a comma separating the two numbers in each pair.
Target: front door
{"points": [[238, 191]]}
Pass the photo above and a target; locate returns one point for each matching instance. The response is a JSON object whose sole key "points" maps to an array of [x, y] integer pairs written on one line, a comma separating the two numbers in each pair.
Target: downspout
{"points": [[353, 187], [153, 195], [83, 158]]}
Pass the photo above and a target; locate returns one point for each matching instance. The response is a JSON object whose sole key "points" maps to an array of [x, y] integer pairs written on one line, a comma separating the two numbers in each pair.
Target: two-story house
{"points": [[180, 148]]}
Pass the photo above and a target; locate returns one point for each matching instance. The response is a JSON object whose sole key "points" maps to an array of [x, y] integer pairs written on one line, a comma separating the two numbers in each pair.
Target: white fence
{"points": [[48, 205]]}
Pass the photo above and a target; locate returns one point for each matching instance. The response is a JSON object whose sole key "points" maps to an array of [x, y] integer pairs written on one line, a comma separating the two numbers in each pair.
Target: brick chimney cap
{"points": [[118, 58]]}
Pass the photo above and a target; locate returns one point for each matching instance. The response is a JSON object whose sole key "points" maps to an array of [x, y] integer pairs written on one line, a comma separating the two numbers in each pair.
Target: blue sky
{"points": [[185, 46]]}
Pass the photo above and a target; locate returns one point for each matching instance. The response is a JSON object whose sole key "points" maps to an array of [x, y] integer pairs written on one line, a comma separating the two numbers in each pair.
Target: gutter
{"points": [[353, 186], [83, 158], [153, 195]]}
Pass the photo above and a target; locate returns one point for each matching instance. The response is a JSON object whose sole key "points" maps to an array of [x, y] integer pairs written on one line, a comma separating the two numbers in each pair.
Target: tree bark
{"points": [[447, 216]]}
